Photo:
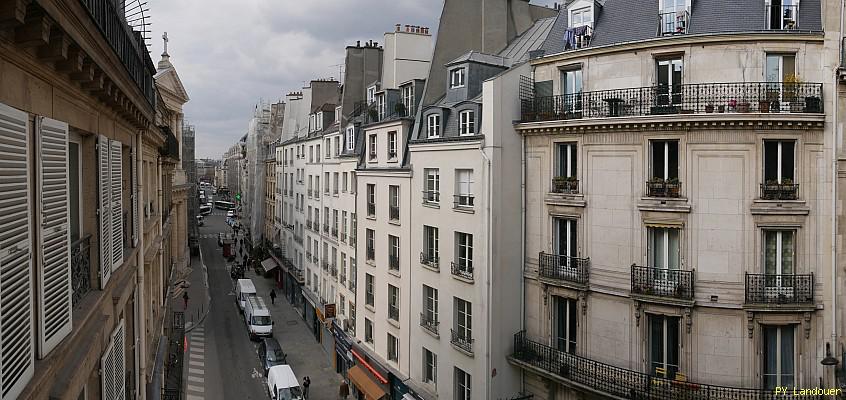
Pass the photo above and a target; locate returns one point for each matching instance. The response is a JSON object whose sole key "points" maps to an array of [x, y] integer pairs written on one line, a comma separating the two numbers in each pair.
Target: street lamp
{"points": [[829, 360]]}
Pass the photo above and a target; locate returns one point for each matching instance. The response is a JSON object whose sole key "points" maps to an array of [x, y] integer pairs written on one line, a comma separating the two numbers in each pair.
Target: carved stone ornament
{"points": [[750, 323]]}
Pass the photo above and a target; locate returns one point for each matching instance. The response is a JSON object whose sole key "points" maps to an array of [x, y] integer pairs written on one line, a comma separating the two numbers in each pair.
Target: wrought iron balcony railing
{"points": [[779, 191], [343, 279], [565, 185], [462, 271], [779, 289], [782, 17], [616, 382], [673, 23], [80, 268], [461, 340], [429, 260], [430, 323], [564, 268], [335, 232], [333, 269], [326, 228], [393, 312], [662, 282], [698, 98], [463, 200], [394, 213], [431, 196], [389, 110], [393, 262], [670, 188]]}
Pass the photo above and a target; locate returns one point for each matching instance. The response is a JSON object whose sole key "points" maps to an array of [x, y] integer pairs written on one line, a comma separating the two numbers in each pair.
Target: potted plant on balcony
{"points": [[721, 108], [732, 105], [743, 107], [770, 189], [709, 108], [813, 104], [657, 187], [673, 187], [763, 106], [791, 83]]}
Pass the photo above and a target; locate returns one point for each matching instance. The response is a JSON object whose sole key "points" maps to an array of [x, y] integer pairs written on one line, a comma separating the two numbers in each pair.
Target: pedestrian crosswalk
{"points": [[195, 386]]}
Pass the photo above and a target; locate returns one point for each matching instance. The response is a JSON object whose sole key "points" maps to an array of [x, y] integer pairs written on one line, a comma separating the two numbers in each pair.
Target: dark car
{"points": [[270, 353]]}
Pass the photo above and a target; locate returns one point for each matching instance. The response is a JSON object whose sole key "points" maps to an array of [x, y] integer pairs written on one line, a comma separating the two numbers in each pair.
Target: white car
{"points": [[230, 214], [282, 384]]}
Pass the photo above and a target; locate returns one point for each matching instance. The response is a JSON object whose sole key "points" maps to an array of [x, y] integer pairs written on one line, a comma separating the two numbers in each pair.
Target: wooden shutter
{"points": [[16, 330], [104, 192], [112, 366], [53, 273], [116, 168]]}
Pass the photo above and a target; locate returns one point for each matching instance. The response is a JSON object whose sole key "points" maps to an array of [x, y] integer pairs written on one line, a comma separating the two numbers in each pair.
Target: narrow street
{"points": [[231, 365]]}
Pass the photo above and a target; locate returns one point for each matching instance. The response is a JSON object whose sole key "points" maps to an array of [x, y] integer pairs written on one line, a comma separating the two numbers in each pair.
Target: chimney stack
{"points": [[398, 27]]}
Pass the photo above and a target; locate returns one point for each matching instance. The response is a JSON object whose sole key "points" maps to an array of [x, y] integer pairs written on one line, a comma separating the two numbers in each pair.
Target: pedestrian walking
{"points": [[344, 390], [306, 383], [185, 300], [272, 296]]}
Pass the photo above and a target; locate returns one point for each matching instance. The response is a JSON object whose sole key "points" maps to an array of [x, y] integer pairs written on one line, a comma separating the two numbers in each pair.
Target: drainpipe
{"points": [[139, 275], [835, 142], [489, 272]]}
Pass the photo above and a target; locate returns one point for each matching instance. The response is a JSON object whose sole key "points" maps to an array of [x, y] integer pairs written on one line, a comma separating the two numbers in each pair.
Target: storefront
{"points": [[370, 380], [326, 338], [343, 350], [310, 308]]}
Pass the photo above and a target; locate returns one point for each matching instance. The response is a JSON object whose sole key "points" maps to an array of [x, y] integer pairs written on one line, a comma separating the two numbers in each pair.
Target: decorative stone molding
{"points": [[583, 301], [637, 313], [674, 123], [688, 320], [750, 324], [806, 324]]}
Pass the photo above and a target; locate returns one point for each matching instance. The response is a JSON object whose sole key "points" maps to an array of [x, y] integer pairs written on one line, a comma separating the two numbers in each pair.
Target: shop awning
{"points": [[359, 378], [269, 264]]}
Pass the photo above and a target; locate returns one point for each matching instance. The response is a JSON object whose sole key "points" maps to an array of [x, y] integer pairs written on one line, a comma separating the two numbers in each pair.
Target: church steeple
{"points": [[164, 63]]}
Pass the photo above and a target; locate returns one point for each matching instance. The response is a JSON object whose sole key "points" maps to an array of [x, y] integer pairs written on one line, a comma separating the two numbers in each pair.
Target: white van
{"points": [[282, 384], [257, 317], [244, 288]]}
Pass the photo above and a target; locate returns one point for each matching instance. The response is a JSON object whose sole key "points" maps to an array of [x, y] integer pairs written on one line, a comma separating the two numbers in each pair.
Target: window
{"points": [[779, 161], [433, 126], [673, 16], [430, 367], [371, 200], [393, 202], [430, 304], [669, 83], [371, 94], [571, 88], [467, 123], [462, 385], [310, 178], [335, 223], [393, 302], [393, 252], [368, 290], [430, 243], [393, 348], [431, 188], [564, 324], [408, 98], [345, 182], [464, 252], [581, 17], [779, 259], [665, 159], [317, 153], [74, 174], [371, 253], [464, 188], [353, 182], [782, 14], [350, 138], [663, 346], [565, 237], [779, 354], [368, 331], [392, 144], [663, 248], [566, 157], [335, 178], [317, 185], [456, 78], [463, 319], [326, 186], [328, 147], [337, 146], [311, 154], [380, 106], [343, 226], [342, 299], [371, 140]]}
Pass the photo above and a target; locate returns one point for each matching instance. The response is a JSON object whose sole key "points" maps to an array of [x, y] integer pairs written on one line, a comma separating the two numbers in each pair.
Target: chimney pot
{"points": [[407, 28], [358, 43], [398, 27]]}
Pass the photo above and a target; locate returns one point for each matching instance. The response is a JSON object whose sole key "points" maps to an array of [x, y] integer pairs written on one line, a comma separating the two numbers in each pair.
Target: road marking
{"points": [[198, 379], [195, 389]]}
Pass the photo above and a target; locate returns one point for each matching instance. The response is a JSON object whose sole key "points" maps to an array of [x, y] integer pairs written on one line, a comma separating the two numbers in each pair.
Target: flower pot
{"points": [[709, 108], [721, 108], [743, 107], [764, 106], [812, 104]]}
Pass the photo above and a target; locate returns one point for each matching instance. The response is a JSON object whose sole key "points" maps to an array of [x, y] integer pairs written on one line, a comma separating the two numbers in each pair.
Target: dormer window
{"points": [[408, 98], [433, 126], [467, 123], [782, 14], [673, 16], [581, 17], [318, 123], [350, 138], [337, 114], [456, 78], [380, 104], [580, 27], [371, 94]]}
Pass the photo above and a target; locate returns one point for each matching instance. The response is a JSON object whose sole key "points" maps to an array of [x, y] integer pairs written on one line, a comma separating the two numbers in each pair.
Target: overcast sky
{"points": [[231, 53]]}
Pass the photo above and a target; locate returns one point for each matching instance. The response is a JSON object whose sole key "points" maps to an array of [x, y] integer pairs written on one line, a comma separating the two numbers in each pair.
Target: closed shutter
{"points": [[16, 330], [104, 213], [116, 167], [112, 367], [133, 194], [54, 289]]}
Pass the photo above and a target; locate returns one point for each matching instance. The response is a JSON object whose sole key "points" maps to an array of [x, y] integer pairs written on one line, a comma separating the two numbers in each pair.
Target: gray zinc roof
{"points": [[482, 58], [518, 50]]}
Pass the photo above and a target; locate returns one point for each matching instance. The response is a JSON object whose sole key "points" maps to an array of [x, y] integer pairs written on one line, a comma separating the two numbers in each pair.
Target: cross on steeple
{"points": [[164, 37]]}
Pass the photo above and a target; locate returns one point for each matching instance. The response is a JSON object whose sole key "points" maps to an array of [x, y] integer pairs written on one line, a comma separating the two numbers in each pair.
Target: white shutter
{"points": [[53, 274], [133, 193], [104, 192], [112, 367], [16, 330], [116, 168]]}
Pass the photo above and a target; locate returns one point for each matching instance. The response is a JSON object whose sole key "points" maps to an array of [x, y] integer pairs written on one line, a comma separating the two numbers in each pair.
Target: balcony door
{"points": [[779, 262], [571, 89], [780, 72], [779, 356], [564, 324], [669, 82], [779, 161], [663, 255], [782, 14], [665, 159], [663, 346], [565, 240]]}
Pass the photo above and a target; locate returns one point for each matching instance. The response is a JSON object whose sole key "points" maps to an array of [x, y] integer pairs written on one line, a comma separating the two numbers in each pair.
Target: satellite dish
{"points": [[137, 14]]}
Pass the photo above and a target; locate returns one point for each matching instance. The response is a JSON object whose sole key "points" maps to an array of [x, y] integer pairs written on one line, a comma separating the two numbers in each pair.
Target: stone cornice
{"points": [[679, 122]]}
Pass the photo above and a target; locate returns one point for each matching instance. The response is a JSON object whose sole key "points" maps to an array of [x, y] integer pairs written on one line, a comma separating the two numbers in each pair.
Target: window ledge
{"points": [[370, 217], [464, 209], [370, 262], [394, 222], [462, 351], [565, 199], [666, 204], [463, 279], [394, 272], [431, 204], [370, 308], [433, 334], [779, 207], [393, 322]]}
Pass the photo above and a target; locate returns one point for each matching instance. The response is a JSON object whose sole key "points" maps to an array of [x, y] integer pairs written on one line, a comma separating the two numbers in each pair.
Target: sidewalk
{"points": [[196, 277], [306, 356]]}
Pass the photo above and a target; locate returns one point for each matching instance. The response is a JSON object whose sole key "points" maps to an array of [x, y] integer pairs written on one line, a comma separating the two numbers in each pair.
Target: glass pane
{"points": [[773, 68], [787, 160], [560, 319], [656, 343], [673, 160], [73, 184], [658, 159], [770, 160], [787, 253], [571, 318], [659, 247], [770, 356], [786, 370], [672, 346], [674, 248], [788, 63], [770, 243], [573, 245]]}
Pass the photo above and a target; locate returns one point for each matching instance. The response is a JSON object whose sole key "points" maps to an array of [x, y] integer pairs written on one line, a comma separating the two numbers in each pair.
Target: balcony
{"points": [[780, 289], [464, 272], [80, 268], [431, 196], [430, 323], [170, 148], [352, 240], [371, 209], [393, 262], [669, 188], [673, 23], [462, 341], [308, 256], [565, 185], [463, 201], [308, 224], [394, 213], [608, 381], [564, 269], [325, 265], [391, 110], [430, 261], [371, 254], [662, 283], [700, 98], [772, 190]]}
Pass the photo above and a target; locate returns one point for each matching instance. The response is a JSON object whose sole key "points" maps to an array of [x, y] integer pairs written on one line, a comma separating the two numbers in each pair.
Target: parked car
{"points": [[271, 354], [243, 290], [282, 384], [230, 214], [200, 220]]}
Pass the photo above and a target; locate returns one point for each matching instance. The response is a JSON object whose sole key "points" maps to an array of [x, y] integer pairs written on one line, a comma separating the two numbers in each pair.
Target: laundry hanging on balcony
{"points": [[574, 37]]}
